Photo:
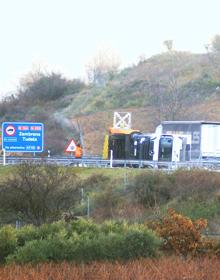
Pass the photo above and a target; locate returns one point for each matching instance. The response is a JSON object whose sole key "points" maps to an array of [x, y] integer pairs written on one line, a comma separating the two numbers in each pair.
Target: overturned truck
{"points": [[172, 141]]}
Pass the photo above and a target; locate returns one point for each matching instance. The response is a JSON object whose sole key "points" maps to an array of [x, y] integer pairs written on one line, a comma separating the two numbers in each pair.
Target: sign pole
{"points": [[4, 157], [111, 158], [88, 207]]}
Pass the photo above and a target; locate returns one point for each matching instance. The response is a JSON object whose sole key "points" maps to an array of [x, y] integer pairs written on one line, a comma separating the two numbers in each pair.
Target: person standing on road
{"points": [[78, 151]]}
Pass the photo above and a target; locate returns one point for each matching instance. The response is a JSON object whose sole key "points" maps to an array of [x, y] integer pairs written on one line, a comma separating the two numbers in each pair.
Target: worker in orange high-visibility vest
{"points": [[78, 151]]}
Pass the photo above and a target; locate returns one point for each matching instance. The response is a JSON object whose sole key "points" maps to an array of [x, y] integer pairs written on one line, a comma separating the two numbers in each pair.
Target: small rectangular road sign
{"points": [[22, 137]]}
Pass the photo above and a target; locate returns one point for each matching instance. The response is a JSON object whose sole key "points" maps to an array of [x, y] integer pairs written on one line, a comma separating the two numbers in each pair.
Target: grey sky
{"points": [[65, 34]]}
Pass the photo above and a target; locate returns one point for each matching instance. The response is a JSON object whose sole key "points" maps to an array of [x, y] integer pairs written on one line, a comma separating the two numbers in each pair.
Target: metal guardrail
{"points": [[96, 161], [93, 161]]}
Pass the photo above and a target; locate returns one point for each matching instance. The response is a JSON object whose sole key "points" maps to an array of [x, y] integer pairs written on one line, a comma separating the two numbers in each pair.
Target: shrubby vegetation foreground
{"points": [[136, 214]]}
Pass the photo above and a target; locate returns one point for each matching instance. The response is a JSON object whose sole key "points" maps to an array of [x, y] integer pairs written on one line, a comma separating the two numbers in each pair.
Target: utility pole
{"points": [[81, 136]]}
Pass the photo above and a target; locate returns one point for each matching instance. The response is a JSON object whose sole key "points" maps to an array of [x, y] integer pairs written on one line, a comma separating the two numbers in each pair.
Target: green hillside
{"points": [[169, 86], [193, 76]]}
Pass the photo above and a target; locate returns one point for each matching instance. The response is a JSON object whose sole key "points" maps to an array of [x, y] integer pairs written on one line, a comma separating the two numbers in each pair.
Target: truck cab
{"points": [[171, 148], [143, 146], [121, 143]]}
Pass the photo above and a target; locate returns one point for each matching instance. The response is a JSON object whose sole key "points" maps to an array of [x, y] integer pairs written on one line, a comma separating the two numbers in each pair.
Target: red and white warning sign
{"points": [[71, 147], [10, 130]]}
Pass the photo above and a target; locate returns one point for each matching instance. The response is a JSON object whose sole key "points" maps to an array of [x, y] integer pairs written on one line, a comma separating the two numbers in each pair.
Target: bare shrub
{"points": [[195, 183], [38, 193]]}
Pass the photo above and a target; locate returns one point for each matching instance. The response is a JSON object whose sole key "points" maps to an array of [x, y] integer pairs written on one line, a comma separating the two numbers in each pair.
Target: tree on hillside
{"points": [[40, 86], [168, 44], [38, 193], [215, 44], [6, 104], [213, 53], [104, 64], [168, 100], [166, 96]]}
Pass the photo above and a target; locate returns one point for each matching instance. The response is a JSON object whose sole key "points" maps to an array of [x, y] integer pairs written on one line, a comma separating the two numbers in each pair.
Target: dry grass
{"points": [[163, 269], [96, 125]]}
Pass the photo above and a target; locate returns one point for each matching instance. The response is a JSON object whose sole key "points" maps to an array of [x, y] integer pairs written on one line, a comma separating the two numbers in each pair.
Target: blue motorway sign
{"points": [[22, 137]]}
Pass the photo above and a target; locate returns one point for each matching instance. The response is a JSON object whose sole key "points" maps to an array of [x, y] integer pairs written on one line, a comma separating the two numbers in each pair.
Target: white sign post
{"points": [[111, 158], [4, 157]]}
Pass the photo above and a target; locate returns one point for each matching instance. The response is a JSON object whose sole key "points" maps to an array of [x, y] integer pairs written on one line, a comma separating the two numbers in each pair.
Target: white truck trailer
{"points": [[201, 138]]}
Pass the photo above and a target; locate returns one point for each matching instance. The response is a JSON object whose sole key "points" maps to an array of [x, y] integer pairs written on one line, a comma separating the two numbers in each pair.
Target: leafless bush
{"points": [[38, 193]]}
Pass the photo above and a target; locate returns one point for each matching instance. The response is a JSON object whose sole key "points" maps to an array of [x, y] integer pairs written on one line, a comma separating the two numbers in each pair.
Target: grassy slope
{"points": [[131, 87], [131, 91]]}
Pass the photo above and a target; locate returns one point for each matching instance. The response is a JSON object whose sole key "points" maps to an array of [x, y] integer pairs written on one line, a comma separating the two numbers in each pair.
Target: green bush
{"points": [[114, 246], [55, 249], [84, 227], [8, 242], [50, 86], [195, 210], [85, 241], [151, 188], [106, 202], [45, 231], [139, 243], [25, 234], [95, 182], [114, 226]]}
